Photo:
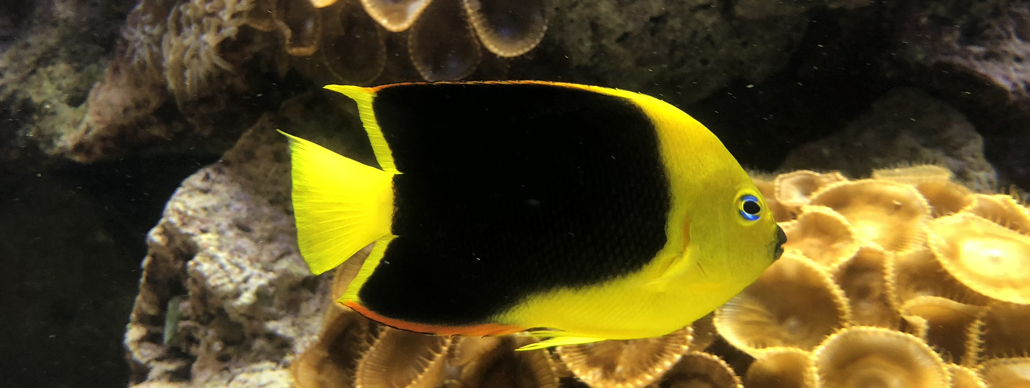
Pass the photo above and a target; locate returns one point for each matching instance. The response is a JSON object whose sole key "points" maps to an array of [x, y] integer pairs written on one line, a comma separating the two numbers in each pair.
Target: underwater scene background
{"points": [[146, 229]]}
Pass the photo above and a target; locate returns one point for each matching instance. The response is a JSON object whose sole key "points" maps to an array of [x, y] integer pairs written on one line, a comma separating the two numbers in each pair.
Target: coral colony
{"points": [[848, 298]]}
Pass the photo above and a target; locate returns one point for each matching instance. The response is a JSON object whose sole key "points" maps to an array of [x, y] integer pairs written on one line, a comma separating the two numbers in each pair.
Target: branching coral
{"points": [[861, 296]]}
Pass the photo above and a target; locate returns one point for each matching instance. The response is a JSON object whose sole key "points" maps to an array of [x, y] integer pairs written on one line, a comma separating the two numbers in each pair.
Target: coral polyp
{"points": [[394, 15], [822, 235], [888, 214], [987, 257], [628, 363], [444, 36], [795, 303], [866, 356]]}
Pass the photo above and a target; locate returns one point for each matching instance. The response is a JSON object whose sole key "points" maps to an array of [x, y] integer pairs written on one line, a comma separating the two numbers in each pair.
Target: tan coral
{"points": [[943, 194], [990, 259], [442, 45], [332, 360], [192, 63], [864, 281], [943, 323], [1002, 210], [403, 359], [468, 350], [886, 213], [962, 377], [821, 235], [704, 333], [301, 25], [508, 28], [699, 369], [914, 175], [625, 363], [794, 189], [347, 271], [322, 3], [1007, 372], [780, 368], [496, 363], [395, 15], [877, 357], [918, 273], [1002, 330], [794, 303], [263, 16], [767, 187], [353, 48]]}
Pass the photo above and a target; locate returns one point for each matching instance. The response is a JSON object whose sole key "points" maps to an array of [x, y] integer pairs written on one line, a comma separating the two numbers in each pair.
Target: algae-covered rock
{"points": [[51, 53], [905, 126]]}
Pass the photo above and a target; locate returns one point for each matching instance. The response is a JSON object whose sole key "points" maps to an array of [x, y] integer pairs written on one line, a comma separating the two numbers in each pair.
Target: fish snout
{"points": [[781, 238]]}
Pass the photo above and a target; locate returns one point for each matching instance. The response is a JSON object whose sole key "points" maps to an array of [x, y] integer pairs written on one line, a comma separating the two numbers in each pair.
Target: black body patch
{"points": [[510, 189]]}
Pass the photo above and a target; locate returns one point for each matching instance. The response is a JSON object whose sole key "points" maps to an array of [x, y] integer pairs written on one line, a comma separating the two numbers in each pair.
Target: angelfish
{"points": [[579, 213]]}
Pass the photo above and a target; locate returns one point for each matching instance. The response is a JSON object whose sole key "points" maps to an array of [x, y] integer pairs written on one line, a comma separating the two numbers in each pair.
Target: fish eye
{"points": [[749, 207]]}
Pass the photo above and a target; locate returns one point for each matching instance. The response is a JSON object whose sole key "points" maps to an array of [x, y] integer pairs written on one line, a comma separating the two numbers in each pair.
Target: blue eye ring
{"points": [[749, 207]]}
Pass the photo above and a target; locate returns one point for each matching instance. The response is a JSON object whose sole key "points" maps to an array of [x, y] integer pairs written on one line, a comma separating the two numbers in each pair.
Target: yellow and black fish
{"points": [[581, 213]]}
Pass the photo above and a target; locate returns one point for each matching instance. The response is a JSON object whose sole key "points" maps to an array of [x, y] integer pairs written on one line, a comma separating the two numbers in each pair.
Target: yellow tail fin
{"points": [[340, 205]]}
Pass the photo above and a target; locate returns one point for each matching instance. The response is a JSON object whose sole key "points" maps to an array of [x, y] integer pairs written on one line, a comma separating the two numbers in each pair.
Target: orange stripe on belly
{"points": [[474, 330]]}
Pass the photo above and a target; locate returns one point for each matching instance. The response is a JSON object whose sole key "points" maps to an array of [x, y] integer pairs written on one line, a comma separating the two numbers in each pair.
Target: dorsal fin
{"points": [[364, 97]]}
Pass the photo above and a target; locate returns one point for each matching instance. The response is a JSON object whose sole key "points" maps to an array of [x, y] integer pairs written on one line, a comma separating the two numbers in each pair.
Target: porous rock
{"points": [[906, 126], [226, 247]]}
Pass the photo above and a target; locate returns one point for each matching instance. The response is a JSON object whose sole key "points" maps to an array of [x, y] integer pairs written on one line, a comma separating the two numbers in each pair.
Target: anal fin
{"points": [[557, 338]]}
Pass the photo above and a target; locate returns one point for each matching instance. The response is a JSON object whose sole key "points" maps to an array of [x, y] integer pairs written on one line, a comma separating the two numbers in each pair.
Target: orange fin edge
{"points": [[486, 329]]}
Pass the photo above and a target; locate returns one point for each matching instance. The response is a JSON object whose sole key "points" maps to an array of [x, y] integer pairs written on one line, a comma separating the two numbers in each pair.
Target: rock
{"points": [[976, 55], [906, 126], [680, 50], [50, 56], [224, 259], [988, 41], [227, 243]]}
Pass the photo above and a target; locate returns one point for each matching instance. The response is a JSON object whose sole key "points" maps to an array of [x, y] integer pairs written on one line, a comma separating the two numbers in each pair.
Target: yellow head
{"points": [[721, 232], [740, 238]]}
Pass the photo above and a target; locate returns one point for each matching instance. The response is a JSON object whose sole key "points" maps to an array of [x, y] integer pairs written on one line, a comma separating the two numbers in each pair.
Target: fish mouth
{"points": [[781, 238]]}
